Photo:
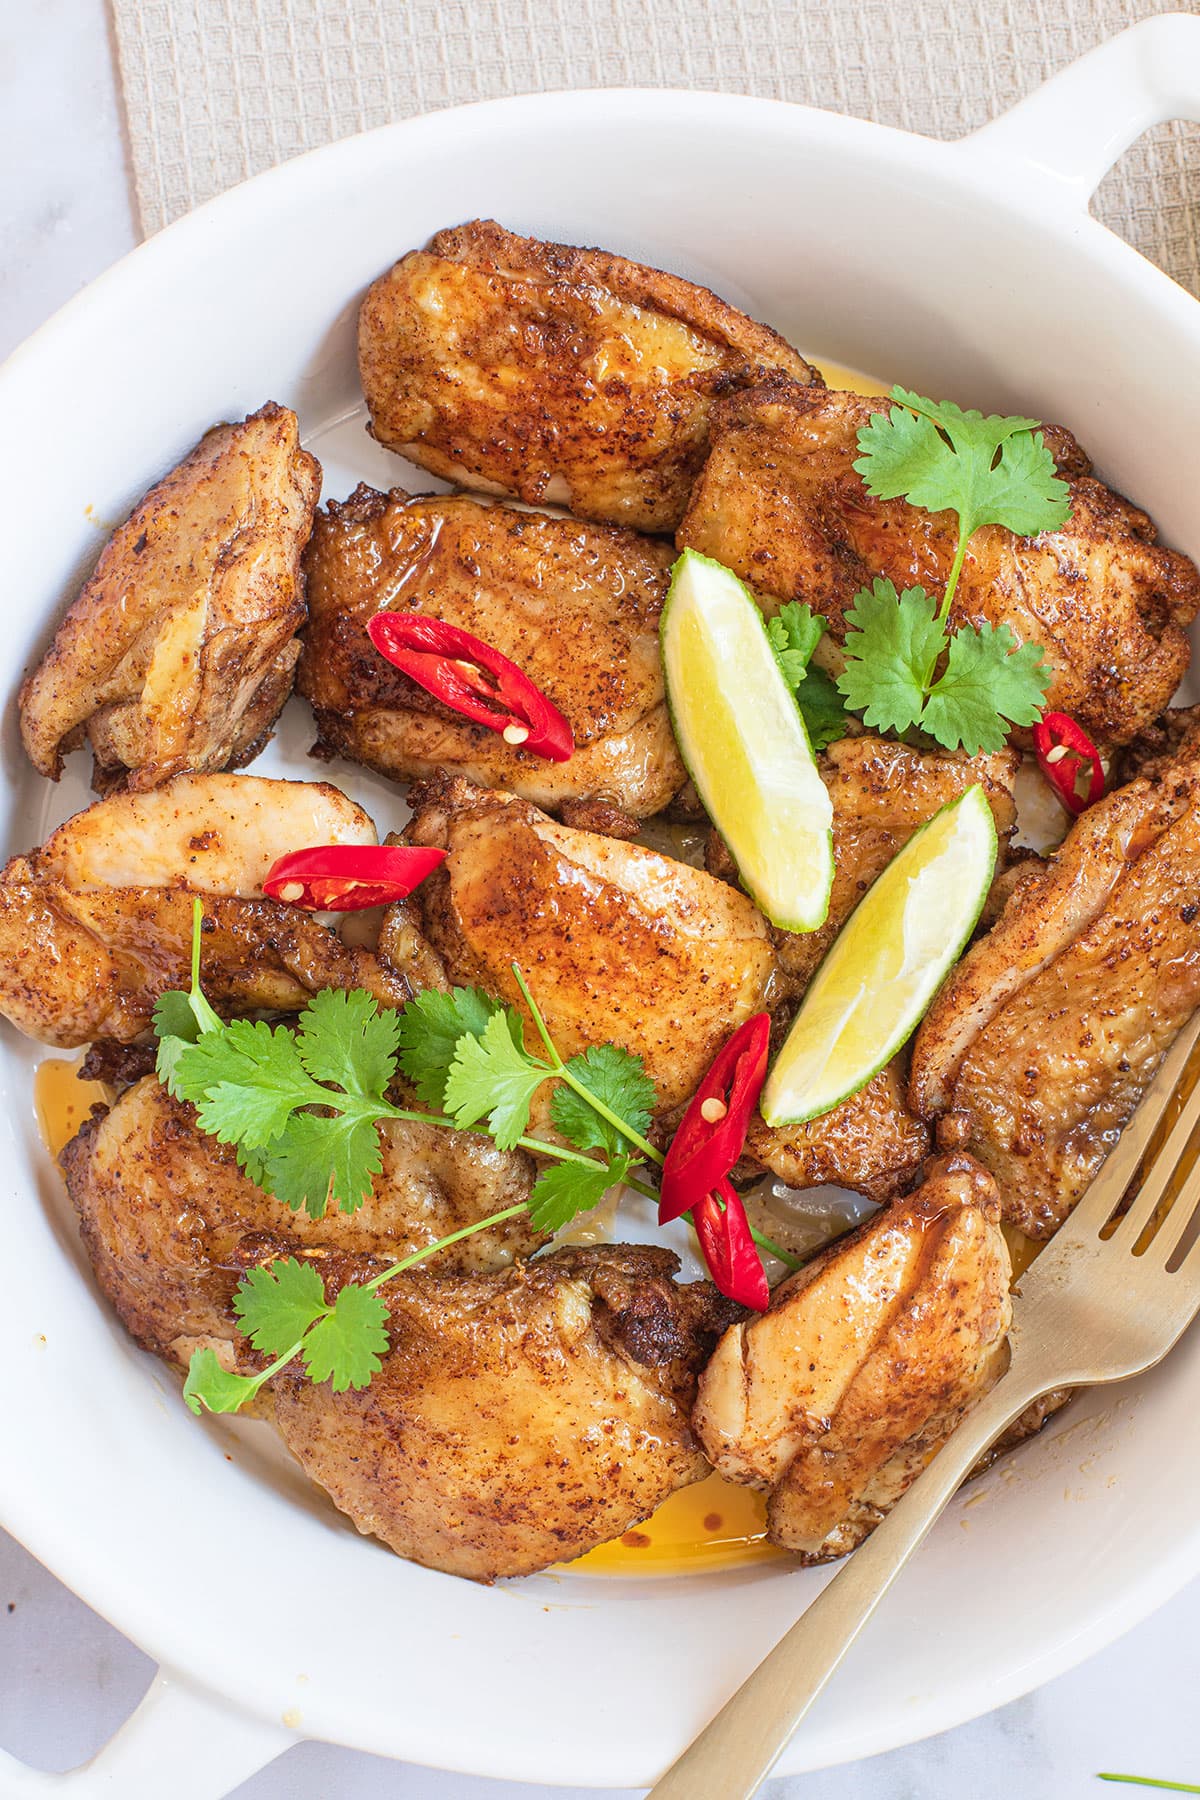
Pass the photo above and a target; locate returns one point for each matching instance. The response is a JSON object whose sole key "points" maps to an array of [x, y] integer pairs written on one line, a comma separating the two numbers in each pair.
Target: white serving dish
{"points": [[971, 270]]}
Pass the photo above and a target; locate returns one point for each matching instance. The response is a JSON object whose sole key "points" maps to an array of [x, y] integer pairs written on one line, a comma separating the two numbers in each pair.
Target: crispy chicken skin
{"points": [[575, 606], [779, 501], [1045, 1036], [520, 1418], [834, 1399], [171, 1223], [554, 374], [617, 943], [178, 653], [96, 924]]}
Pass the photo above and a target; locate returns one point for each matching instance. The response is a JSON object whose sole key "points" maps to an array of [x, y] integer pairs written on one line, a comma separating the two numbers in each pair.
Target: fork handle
{"points": [[736, 1752]]}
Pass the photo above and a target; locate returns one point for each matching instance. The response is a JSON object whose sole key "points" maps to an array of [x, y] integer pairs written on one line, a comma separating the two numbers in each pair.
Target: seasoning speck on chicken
{"points": [[555, 374], [179, 652]]}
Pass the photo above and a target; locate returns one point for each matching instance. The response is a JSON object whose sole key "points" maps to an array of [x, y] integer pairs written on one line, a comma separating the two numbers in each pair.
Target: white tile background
{"points": [[66, 1678]]}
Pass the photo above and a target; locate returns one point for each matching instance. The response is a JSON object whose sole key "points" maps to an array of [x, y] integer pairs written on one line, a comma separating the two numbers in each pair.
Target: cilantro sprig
{"points": [[795, 632], [302, 1109], [904, 668]]}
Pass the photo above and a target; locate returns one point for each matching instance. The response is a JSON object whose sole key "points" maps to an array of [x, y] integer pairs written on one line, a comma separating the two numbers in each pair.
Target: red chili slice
{"points": [[349, 877], [713, 1130], [729, 1251], [475, 679], [1065, 754]]}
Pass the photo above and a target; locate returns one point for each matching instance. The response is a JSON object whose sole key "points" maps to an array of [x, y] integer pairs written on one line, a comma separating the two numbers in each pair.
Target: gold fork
{"points": [[1107, 1299]]}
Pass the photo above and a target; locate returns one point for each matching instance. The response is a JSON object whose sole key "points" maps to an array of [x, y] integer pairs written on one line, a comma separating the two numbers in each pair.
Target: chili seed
{"points": [[712, 1111], [1056, 755], [292, 891], [515, 734]]}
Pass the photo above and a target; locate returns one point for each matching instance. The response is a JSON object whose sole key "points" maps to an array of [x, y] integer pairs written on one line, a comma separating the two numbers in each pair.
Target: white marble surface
{"points": [[66, 1678]]}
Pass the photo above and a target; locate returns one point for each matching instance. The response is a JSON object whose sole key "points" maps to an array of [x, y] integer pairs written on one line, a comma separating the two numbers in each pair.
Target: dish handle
{"points": [[179, 1741], [1072, 129]]}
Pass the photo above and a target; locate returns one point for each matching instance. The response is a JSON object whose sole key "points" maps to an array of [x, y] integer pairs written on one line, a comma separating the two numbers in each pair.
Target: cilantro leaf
{"points": [[318, 1158], [822, 707], [344, 1039], [244, 1080], [619, 1080], [987, 680], [990, 471], [493, 1076], [174, 1017], [277, 1303], [567, 1189], [345, 1346], [891, 654], [219, 1390], [428, 1032], [795, 632]]}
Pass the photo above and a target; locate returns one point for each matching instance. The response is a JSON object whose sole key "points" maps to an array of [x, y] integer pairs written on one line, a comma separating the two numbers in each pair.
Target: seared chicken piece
{"points": [[97, 924], [872, 1142], [171, 1223], [779, 501], [618, 944], [835, 1398], [178, 653], [553, 373], [574, 606], [519, 1418], [1045, 1037]]}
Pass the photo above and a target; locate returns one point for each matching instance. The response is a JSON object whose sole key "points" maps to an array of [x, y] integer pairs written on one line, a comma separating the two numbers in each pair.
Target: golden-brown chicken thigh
{"points": [[554, 374], [1044, 1038], [618, 944], [779, 501], [178, 653], [519, 1418], [171, 1223], [834, 1399], [575, 606], [97, 924]]}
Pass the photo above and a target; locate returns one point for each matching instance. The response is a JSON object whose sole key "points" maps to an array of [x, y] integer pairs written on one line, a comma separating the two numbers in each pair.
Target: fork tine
{"points": [[1130, 1228], [1102, 1198], [1177, 1223]]}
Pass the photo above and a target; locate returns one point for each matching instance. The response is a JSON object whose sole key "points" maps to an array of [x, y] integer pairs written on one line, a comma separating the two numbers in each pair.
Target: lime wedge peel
{"points": [[886, 964], [743, 742]]}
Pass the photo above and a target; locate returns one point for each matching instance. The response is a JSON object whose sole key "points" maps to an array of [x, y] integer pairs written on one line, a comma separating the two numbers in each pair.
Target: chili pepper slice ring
{"points": [[349, 877], [474, 679]]}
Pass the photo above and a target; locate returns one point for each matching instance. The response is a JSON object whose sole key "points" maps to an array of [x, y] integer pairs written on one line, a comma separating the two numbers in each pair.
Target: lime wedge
{"points": [[886, 964], [744, 744]]}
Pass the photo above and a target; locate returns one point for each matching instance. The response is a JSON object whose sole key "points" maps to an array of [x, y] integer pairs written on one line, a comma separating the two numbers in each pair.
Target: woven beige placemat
{"points": [[216, 90]]}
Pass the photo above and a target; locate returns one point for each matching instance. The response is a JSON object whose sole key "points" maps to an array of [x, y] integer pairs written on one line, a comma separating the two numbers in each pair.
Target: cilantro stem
{"points": [[455, 1237], [561, 1070], [964, 538], [1176, 1787], [197, 927]]}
